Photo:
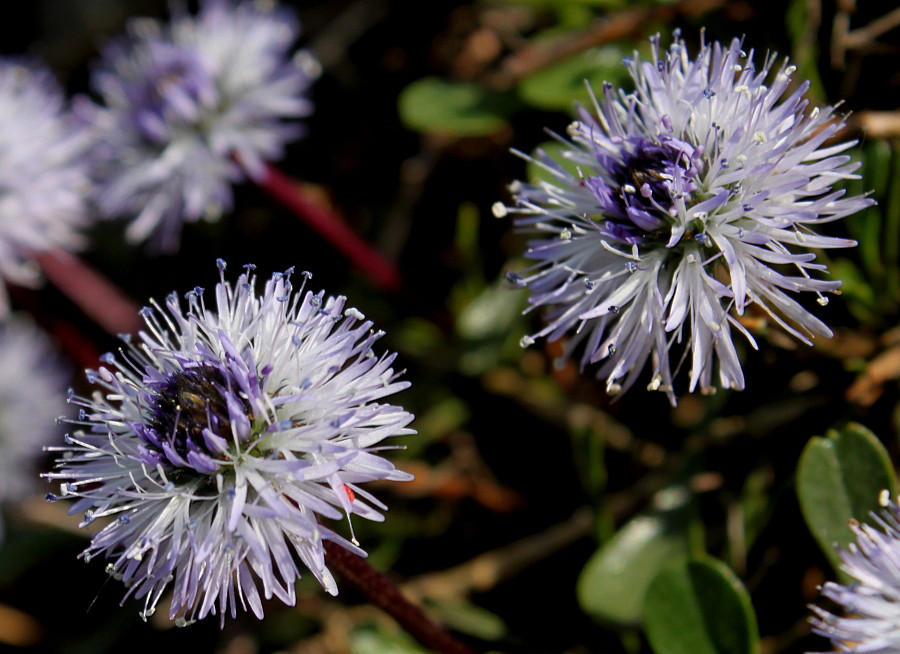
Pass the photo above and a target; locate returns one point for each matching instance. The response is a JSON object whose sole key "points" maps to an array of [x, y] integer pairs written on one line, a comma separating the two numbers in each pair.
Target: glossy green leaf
{"points": [[559, 86], [432, 104], [558, 4], [840, 478], [599, 4], [858, 295], [370, 640], [756, 505], [891, 204], [490, 327], [614, 582], [700, 607], [871, 272], [867, 226], [469, 619]]}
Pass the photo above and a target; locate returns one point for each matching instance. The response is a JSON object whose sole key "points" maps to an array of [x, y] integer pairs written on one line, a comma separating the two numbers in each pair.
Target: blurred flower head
{"points": [[189, 108], [43, 178], [32, 397], [674, 208], [216, 442], [871, 603]]}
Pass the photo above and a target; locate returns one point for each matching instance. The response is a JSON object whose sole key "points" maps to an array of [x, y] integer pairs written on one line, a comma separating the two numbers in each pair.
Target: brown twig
{"points": [[868, 124], [383, 594], [843, 39], [611, 27], [878, 124], [863, 36], [840, 27], [870, 383], [490, 568], [334, 40]]}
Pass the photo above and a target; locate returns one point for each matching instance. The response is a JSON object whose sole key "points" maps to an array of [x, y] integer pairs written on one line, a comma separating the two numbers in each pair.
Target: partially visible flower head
{"points": [[683, 203], [32, 396], [43, 177], [191, 107], [217, 442], [871, 604]]}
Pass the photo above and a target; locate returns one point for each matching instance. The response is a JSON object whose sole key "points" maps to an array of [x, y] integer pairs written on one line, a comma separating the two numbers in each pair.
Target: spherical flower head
{"points": [[43, 178], [189, 108], [871, 624], [217, 442], [32, 396], [681, 204]]}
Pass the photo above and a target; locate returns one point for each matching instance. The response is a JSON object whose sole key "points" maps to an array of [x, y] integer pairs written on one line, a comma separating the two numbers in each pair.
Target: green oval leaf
{"points": [[467, 618], [371, 640], [559, 86], [839, 478], [614, 582], [432, 104], [857, 292], [700, 607]]}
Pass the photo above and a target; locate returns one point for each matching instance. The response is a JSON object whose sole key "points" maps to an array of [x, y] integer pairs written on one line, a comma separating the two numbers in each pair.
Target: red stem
{"points": [[331, 227], [79, 349], [383, 594], [90, 291]]}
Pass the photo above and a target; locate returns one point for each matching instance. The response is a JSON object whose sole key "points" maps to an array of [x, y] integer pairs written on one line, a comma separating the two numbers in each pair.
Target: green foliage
{"points": [[440, 106], [699, 606], [871, 289], [614, 582], [489, 321], [803, 31], [840, 478], [596, 4], [756, 505], [467, 618], [559, 86], [491, 327], [371, 640]]}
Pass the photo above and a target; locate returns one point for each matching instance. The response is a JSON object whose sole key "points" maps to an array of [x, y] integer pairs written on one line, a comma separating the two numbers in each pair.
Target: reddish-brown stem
{"points": [[331, 227], [383, 594], [90, 291], [79, 349]]}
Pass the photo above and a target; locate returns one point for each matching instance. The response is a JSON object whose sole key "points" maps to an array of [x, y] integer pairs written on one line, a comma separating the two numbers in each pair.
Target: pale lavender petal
{"points": [[216, 470], [695, 197]]}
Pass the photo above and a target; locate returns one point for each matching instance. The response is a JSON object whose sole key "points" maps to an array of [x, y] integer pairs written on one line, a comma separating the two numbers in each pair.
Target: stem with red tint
{"points": [[90, 291], [331, 227], [383, 594]]}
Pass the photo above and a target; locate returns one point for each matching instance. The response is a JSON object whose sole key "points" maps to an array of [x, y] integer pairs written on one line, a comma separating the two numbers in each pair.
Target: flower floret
{"points": [[682, 204], [218, 441]]}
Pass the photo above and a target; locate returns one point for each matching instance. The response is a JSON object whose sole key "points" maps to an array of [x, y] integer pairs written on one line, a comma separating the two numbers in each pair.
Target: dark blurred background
{"points": [[508, 446]]}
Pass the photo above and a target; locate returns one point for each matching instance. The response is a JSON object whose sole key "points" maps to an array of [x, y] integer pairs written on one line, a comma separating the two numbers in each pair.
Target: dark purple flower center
{"points": [[189, 418], [189, 402], [640, 184]]}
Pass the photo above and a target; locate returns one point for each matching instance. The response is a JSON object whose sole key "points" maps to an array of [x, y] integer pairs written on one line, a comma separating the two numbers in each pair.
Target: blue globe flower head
{"points": [[43, 177], [871, 603], [675, 207], [217, 442], [190, 107]]}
